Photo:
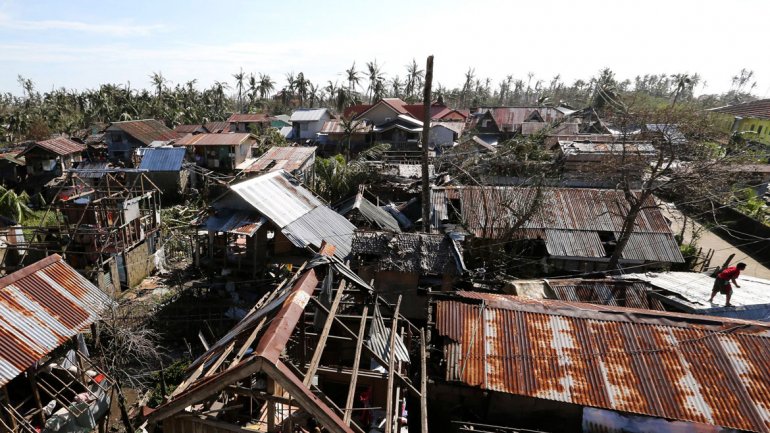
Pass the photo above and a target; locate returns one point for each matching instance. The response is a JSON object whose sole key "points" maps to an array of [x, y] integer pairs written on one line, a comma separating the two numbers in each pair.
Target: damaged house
{"points": [[299, 161], [573, 229], [271, 218], [322, 352], [123, 138], [219, 152], [47, 387], [564, 366], [408, 264], [49, 159]]}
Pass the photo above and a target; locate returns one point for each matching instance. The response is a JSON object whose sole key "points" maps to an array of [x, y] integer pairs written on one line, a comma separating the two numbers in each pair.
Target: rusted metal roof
{"points": [[41, 307], [249, 118], [188, 129], [217, 127], [618, 293], [283, 158], [146, 130], [755, 109], [418, 253], [571, 219], [676, 366], [235, 222], [59, 145], [229, 139]]}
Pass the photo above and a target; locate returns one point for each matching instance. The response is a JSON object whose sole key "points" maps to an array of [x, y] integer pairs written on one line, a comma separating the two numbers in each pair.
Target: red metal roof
{"points": [[692, 368], [249, 118], [229, 139], [217, 127], [59, 145], [41, 307], [283, 158], [146, 131], [755, 109], [187, 129], [355, 110]]}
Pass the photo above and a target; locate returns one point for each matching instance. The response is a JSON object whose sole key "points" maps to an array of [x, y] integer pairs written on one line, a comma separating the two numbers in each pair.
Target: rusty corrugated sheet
{"points": [[691, 368], [41, 307], [59, 145], [283, 158], [571, 219], [228, 139], [335, 126], [146, 130]]}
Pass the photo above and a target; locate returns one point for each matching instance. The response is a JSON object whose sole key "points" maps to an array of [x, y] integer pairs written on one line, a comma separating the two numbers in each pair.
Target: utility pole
{"points": [[426, 100]]}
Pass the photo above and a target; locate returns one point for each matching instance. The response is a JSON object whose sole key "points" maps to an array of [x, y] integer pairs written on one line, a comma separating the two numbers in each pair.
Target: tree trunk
{"points": [[425, 137], [625, 235]]}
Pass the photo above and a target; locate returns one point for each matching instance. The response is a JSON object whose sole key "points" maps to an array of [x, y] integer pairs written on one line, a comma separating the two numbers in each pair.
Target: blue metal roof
{"points": [[163, 159]]}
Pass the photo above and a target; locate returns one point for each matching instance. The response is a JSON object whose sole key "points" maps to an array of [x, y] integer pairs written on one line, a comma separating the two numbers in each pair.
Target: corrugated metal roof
{"points": [[92, 170], [188, 129], [228, 139], [571, 217], [335, 126], [675, 366], [249, 118], [371, 213], [217, 127], [283, 158], [755, 109], [278, 196], [163, 159], [691, 291], [308, 115], [41, 307], [605, 291], [235, 222], [58, 145], [146, 131], [322, 224], [302, 217]]}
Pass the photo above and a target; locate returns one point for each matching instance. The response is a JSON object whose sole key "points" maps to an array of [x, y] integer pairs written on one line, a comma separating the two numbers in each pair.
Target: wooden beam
{"points": [[247, 343], [391, 368], [423, 384], [356, 361], [369, 350], [319, 349]]}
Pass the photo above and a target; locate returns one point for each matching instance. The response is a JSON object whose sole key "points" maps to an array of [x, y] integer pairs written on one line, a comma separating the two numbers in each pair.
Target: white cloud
{"points": [[113, 28]]}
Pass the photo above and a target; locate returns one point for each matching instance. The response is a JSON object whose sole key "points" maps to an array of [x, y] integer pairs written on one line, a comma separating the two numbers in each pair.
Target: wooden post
{"points": [[426, 100], [356, 362], [324, 335], [36, 395], [391, 367], [423, 384]]}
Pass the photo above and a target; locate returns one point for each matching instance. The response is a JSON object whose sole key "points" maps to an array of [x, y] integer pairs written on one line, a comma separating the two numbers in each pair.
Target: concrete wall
{"points": [[139, 264]]}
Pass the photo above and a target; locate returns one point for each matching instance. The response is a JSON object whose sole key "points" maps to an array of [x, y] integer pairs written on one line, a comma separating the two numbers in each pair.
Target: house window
{"points": [[752, 128], [485, 123]]}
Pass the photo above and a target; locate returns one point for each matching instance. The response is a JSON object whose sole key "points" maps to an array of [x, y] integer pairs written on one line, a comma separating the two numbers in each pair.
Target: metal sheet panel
{"points": [[573, 243], [311, 115], [286, 158], [278, 196], [41, 307], [227, 139], [634, 294], [319, 225], [675, 366], [146, 131], [163, 159]]}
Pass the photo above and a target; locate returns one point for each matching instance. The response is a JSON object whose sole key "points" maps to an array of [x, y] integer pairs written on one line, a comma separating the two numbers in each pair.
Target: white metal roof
{"points": [[308, 115]]}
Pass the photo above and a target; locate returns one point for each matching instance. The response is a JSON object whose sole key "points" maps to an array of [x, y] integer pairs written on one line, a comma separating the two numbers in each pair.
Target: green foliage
{"points": [[748, 202], [173, 375], [15, 206], [336, 178]]}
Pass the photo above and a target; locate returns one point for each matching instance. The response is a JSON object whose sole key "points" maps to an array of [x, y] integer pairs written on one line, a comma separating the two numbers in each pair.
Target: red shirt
{"points": [[730, 273]]}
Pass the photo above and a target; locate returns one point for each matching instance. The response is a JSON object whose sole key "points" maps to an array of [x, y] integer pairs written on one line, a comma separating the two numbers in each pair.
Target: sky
{"points": [[81, 44]]}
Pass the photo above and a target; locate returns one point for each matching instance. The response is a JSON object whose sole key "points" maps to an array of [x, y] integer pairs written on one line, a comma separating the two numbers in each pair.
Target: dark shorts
{"points": [[723, 286]]}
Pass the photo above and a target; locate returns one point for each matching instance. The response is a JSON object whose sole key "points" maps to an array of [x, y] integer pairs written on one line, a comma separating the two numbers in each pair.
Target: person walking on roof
{"points": [[722, 282]]}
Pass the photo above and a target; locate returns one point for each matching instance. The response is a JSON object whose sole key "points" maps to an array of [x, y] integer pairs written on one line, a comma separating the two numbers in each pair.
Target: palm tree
{"points": [[683, 82], [414, 76], [253, 91], [301, 86], [395, 87], [353, 77], [376, 79], [266, 85], [14, 205], [239, 76]]}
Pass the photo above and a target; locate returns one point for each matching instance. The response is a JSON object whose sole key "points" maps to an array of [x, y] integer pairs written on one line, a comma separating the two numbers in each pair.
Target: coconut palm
{"points": [[353, 77], [266, 85], [239, 76]]}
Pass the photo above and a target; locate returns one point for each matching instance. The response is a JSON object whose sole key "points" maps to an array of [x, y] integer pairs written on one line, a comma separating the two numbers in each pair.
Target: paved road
{"points": [[722, 248]]}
